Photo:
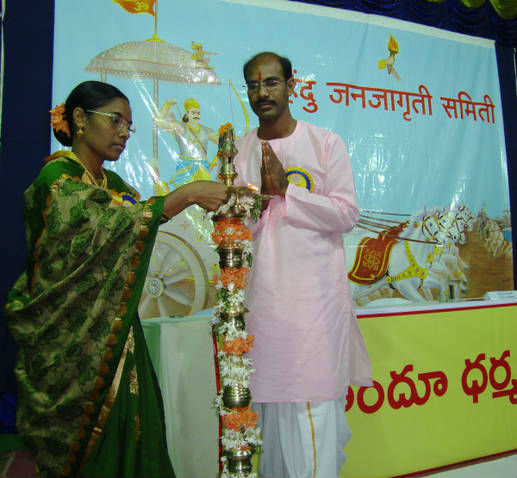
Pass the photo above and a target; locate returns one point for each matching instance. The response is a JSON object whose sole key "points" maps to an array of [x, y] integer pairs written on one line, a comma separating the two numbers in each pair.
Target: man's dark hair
{"points": [[285, 63]]}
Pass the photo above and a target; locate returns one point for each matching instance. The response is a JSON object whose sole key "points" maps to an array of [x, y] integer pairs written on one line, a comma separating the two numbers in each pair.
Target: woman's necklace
{"points": [[88, 176]]}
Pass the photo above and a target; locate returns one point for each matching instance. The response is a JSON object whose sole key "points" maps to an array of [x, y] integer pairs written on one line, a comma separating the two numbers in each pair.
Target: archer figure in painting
{"points": [[192, 138]]}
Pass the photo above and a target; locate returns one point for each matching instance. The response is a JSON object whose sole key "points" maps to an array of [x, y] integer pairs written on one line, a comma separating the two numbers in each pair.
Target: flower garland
{"points": [[251, 206], [240, 434], [236, 275], [230, 229]]}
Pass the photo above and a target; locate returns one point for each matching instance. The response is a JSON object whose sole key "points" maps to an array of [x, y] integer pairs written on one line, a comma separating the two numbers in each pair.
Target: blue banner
{"points": [[419, 110]]}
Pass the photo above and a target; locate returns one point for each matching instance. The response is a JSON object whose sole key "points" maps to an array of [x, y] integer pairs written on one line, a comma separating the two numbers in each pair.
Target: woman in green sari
{"points": [[88, 399]]}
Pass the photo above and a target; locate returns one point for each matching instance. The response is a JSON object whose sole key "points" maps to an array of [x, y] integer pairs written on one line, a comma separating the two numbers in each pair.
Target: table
{"points": [[182, 354], [445, 388]]}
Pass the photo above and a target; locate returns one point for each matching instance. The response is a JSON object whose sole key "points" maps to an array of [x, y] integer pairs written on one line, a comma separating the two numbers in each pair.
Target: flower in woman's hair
{"points": [[58, 121]]}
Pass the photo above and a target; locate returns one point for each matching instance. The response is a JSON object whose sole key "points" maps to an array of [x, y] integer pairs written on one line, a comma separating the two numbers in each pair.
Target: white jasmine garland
{"points": [[234, 370], [232, 439], [234, 298], [234, 373], [218, 401], [247, 248], [223, 209], [230, 331], [250, 436], [250, 205], [230, 360]]}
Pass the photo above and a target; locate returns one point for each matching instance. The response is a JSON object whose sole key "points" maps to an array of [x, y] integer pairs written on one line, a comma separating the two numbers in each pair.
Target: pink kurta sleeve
{"points": [[336, 209]]}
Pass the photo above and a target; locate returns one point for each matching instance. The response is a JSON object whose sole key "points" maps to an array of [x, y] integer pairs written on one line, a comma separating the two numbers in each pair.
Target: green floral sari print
{"points": [[88, 398]]}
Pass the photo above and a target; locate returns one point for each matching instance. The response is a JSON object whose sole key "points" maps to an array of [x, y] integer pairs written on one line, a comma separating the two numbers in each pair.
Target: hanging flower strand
{"points": [[240, 436]]}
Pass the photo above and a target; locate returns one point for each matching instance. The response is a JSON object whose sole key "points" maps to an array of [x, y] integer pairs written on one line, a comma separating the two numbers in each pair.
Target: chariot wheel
{"points": [[176, 282]]}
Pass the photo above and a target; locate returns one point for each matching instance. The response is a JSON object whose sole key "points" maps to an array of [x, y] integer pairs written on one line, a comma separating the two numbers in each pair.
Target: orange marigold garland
{"points": [[230, 229], [238, 346], [224, 128], [240, 437], [238, 276], [240, 418], [58, 121]]}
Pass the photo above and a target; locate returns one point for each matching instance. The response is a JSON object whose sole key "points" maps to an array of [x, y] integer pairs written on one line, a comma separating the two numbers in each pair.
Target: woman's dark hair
{"points": [[285, 63], [88, 95]]}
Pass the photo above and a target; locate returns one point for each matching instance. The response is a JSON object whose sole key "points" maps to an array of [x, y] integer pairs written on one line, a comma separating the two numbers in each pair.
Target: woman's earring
{"points": [[80, 131]]}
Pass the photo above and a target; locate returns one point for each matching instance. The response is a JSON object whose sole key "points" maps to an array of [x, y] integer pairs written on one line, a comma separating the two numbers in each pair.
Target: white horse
{"points": [[454, 225], [444, 265], [409, 261], [425, 256]]}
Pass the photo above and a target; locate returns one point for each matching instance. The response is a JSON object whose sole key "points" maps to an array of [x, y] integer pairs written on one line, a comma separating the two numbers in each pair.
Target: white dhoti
{"points": [[302, 439]]}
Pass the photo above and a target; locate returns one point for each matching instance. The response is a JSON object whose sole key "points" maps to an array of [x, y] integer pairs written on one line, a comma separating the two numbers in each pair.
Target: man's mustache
{"points": [[260, 103]]}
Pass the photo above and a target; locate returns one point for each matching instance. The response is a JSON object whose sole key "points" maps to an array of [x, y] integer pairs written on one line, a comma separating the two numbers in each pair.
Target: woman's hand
{"points": [[242, 191], [207, 194], [210, 194]]}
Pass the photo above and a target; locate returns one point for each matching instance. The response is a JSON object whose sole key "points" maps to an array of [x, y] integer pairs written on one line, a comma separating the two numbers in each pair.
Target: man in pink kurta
{"points": [[308, 347]]}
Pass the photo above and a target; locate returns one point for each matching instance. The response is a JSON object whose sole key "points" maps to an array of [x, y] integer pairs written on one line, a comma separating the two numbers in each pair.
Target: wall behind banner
{"points": [[25, 141], [419, 127]]}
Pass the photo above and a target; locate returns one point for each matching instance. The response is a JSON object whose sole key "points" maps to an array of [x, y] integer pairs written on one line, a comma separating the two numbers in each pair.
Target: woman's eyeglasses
{"points": [[119, 122]]}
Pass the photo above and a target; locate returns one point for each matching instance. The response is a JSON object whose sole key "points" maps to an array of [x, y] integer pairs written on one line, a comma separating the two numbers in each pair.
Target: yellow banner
{"points": [[445, 391]]}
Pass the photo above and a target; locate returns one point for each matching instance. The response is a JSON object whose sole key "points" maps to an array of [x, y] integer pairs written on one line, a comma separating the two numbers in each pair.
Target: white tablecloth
{"points": [[182, 353]]}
